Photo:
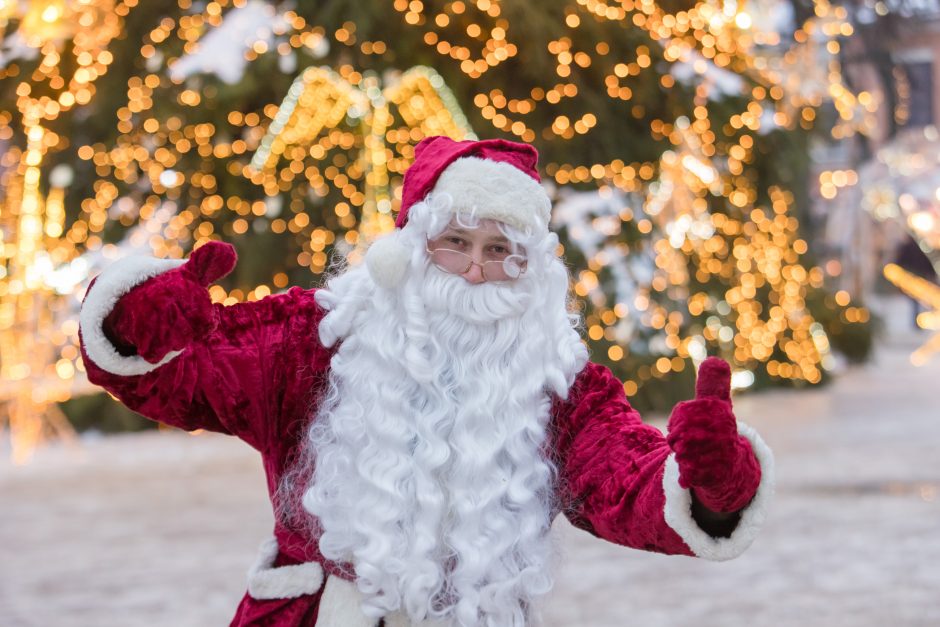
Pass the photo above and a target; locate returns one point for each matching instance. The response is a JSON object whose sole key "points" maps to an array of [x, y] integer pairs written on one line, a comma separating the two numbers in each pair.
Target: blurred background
{"points": [[757, 179]]}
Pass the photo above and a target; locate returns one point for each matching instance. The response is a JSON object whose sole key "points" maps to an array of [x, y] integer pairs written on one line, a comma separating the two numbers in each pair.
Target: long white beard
{"points": [[430, 475]]}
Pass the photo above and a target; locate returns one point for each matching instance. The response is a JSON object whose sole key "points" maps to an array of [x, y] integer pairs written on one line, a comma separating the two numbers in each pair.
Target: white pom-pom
{"points": [[387, 260]]}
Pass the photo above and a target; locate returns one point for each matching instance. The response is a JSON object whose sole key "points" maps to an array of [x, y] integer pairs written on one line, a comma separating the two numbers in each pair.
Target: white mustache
{"points": [[483, 303]]}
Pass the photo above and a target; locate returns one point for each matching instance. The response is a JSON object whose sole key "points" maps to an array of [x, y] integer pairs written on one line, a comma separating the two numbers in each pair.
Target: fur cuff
{"points": [[265, 581], [116, 281], [341, 605], [400, 619], [678, 511]]}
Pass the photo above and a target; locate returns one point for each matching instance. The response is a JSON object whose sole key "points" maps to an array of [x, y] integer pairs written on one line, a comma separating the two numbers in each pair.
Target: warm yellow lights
{"points": [[38, 351], [45, 21], [927, 293], [319, 103], [748, 249], [328, 162]]}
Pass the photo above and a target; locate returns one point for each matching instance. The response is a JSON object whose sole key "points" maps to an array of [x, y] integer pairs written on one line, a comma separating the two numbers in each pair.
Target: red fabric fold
{"points": [[258, 372]]}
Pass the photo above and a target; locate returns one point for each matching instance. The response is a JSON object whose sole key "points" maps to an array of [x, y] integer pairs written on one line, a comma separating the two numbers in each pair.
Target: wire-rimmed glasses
{"points": [[496, 266]]}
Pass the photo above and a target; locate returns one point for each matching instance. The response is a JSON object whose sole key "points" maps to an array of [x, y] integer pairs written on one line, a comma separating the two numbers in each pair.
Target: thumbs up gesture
{"points": [[169, 311], [715, 462]]}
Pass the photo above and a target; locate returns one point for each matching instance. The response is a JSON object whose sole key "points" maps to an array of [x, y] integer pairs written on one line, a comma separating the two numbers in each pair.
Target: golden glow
{"points": [[929, 294], [344, 132], [38, 349], [321, 99]]}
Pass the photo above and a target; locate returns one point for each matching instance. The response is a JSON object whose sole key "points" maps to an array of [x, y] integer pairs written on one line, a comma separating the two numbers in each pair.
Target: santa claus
{"points": [[424, 416]]}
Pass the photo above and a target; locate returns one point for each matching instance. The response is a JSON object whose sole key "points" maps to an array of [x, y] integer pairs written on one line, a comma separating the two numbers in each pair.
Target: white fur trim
{"points": [[387, 260], [114, 282], [265, 581], [678, 510], [400, 619], [496, 190], [341, 605]]}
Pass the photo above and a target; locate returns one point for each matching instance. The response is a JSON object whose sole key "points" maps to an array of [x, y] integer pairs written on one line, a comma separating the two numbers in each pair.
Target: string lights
{"points": [[320, 99], [927, 293], [902, 185], [322, 169], [38, 342]]}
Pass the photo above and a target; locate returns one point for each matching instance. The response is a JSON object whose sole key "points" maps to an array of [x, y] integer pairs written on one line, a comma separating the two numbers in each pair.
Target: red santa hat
{"points": [[491, 179]]}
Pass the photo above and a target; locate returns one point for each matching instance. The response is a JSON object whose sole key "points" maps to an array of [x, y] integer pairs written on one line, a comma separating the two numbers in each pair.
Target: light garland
{"points": [[320, 100], [164, 171], [929, 294], [759, 253], [902, 183], [38, 349]]}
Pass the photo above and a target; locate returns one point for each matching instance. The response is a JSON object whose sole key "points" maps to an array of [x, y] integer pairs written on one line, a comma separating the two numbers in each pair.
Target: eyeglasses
{"points": [[496, 266]]}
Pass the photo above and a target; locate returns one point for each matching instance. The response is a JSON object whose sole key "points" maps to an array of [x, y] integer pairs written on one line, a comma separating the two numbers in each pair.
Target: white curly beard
{"points": [[429, 474]]}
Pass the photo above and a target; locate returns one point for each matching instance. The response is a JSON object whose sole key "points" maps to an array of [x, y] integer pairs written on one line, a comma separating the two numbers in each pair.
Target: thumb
{"points": [[714, 379], [211, 261]]}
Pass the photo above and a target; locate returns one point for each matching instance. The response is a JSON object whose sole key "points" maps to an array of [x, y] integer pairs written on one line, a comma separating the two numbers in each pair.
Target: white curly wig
{"points": [[424, 466]]}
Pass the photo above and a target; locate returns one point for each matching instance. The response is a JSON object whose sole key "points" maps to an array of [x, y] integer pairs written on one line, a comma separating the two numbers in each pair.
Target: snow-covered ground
{"points": [[157, 529]]}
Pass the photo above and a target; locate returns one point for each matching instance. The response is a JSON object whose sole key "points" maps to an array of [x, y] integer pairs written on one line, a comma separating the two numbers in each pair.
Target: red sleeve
{"points": [[611, 465], [253, 373]]}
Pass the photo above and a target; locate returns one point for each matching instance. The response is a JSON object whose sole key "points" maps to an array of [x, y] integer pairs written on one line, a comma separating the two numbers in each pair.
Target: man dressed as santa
{"points": [[424, 417]]}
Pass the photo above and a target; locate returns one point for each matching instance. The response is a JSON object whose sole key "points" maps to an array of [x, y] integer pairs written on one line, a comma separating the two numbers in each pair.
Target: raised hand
{"points": [[169, 311], [715, 462]]}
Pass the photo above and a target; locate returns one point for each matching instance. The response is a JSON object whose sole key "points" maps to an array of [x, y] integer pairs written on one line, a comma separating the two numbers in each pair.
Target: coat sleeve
{"points": [[618, 478], [245, 378]]}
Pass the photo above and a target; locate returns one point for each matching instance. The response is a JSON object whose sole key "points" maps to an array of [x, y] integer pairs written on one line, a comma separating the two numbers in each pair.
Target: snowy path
{"points": [[157, 529]]}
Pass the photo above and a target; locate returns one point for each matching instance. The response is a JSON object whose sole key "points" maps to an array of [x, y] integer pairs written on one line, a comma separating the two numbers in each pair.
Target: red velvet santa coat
{"points": [[259, 375]]}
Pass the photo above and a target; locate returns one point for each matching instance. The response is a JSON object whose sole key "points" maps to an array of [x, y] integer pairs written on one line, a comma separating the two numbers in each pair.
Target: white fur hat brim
{"points": [[484, 188], [496, 190]]}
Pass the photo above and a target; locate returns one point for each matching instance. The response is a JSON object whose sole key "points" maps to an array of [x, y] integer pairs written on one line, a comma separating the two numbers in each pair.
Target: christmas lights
{"points": [[929, 294], [326, 163], [38, 344]]}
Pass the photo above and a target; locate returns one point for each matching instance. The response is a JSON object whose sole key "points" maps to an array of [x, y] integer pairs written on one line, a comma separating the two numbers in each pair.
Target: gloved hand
{"points": [[169, 311], [714, 461]]}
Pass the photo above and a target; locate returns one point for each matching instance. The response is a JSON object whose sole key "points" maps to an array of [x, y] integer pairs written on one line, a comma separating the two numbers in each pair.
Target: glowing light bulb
{"points": [[51, 14], [922, 222]]}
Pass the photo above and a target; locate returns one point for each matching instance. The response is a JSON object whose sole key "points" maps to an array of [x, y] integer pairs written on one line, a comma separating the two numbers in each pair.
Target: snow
{"points": [[14, 47], [768, 122], [771, 16], [692, 68], [157, 529], [914, 8], [590, 218], [222, 50]]}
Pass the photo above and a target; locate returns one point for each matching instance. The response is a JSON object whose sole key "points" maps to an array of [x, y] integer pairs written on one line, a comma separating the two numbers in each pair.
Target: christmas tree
{"points": [[674, 143]]}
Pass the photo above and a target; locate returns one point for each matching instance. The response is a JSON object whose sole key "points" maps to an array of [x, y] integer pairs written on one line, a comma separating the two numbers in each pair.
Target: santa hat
{"points": [[491, 179]]}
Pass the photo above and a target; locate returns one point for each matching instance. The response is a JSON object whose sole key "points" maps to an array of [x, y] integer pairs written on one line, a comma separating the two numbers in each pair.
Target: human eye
{"points": [[455, 240], [500, 249]]}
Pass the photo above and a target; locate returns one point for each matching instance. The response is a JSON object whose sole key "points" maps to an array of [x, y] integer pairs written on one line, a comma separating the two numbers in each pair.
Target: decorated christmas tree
{"points": [[672, 135]]}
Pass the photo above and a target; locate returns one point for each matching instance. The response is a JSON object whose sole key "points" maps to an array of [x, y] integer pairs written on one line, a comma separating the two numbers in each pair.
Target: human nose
{"points": [[474, 274]]}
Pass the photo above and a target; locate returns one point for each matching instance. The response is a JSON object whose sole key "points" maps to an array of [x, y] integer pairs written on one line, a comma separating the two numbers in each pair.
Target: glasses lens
{"points": [[508, 269], [450, 260]]}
